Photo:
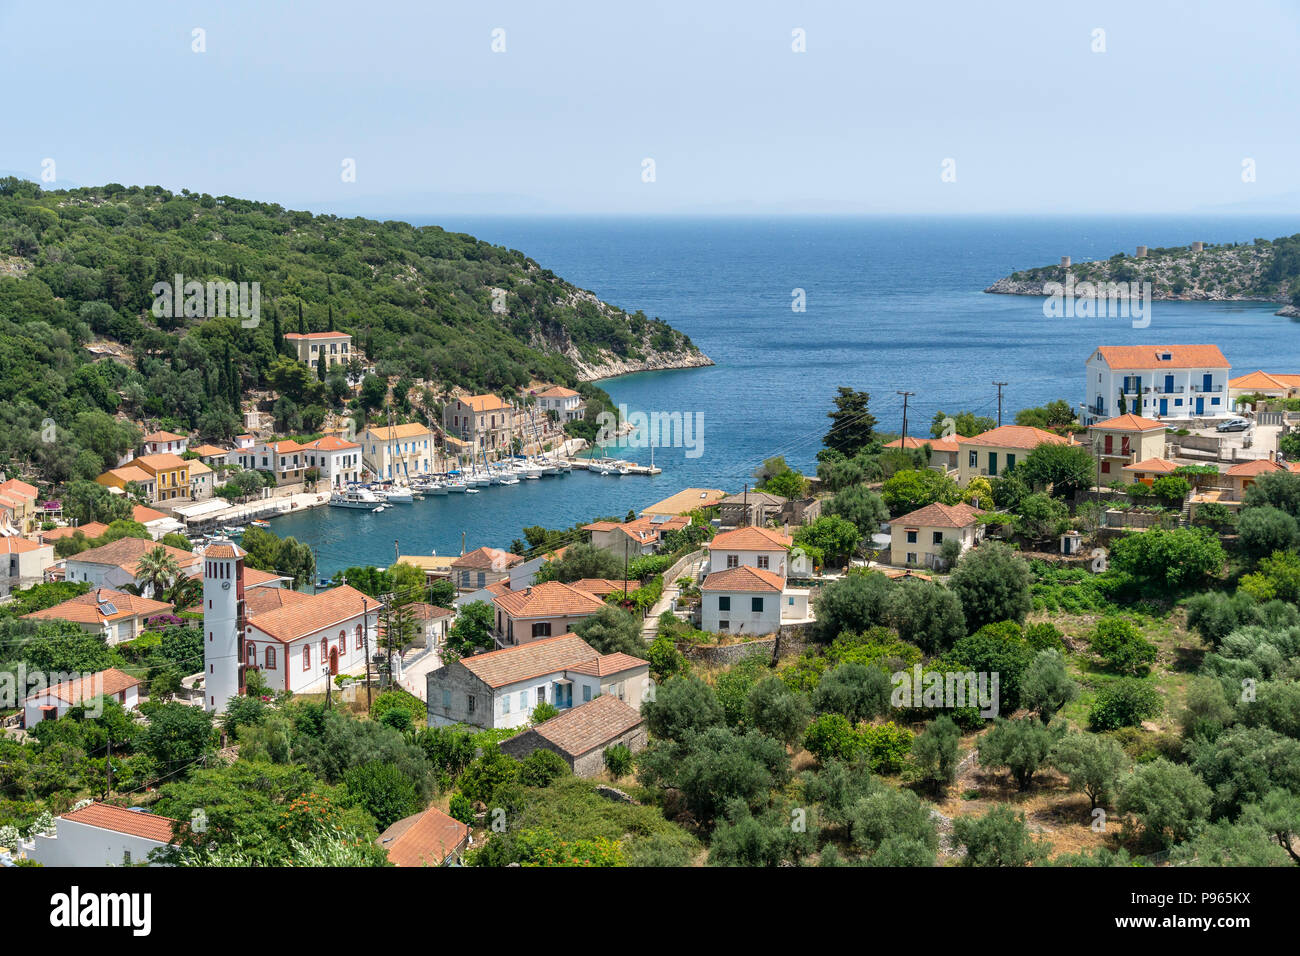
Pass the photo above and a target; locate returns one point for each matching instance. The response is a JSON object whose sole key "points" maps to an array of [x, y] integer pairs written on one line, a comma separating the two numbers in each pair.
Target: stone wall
{"points": [[458, 679], [589, 764], [792, 639]]}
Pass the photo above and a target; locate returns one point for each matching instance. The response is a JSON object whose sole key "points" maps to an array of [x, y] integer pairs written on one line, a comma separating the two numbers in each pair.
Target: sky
{"points": [[555, 108]]}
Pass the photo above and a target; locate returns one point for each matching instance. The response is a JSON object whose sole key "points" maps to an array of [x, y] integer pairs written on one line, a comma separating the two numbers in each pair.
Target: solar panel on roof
{"points": [[107, 608]]}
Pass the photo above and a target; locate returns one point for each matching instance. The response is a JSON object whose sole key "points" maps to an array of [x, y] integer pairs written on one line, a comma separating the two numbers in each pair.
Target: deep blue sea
{"points": [[891, 304]]}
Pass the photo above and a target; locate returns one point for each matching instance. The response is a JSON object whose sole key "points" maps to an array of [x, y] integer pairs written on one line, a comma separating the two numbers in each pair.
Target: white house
{"points": [[565, 402], [117, 616], [753, 547], [501, 688], [23, 563], [298, 641], [742, 600], [114, 565], [1156, 381], [99, 834], [917, 538], [162, 443], [397, 451], [337, 459], [54, 701]]}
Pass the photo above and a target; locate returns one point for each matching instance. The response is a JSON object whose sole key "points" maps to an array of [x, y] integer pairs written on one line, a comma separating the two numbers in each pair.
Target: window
{"points": [[469, 703], [359, 639], [523, 700], [1105, 468], [938, 537], [911, 557], [541, 694], [762, 561], [306, 656], [733, 560], [790, 601], [756, 605], [974, 459], [724, 602], [911, 537], [446, 700], [541, 629], [724, 625], [505, 704], [270, 658], [586, 693]]}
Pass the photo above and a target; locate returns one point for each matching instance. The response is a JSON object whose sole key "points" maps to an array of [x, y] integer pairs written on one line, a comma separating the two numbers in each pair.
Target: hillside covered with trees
{"points": [[428, 308]]}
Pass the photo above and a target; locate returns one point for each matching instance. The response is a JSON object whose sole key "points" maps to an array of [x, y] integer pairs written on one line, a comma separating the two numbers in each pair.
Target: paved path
{"points": [[688, 567]]}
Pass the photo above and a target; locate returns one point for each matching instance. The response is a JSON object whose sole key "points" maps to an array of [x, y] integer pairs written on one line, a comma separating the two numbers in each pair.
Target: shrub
{"points": [[887, 746], [541, 767], [1121, 647], [1125, 702], [618, 760], [831, 737]]}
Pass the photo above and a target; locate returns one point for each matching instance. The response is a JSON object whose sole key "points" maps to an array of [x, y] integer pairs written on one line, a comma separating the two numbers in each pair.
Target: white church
{"points": [[298, 641]]}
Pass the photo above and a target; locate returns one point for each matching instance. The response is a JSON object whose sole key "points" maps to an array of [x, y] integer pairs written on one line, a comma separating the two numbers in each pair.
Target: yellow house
{"points": [[1148, 470], [128, 474], [399, 451], [18, 503], [916, 539], [993, 452], [320, 350], [1121, 441], [171, 474], [1272, 385]]}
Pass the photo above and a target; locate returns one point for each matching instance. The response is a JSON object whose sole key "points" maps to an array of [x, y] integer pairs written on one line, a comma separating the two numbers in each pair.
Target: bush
{"points": [[992, 583], [887, 746], [831, 737], [1264, 530], [459, 808], [541, 767], [1125, 702], [1121, 647], [618, 760]]}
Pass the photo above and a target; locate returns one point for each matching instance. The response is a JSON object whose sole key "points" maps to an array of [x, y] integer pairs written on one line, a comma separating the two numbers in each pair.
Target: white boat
{"points": [[454, 486], [379, 509], [471, 491], [401, 496], [436, 488], [354, 498], [508, 480]]}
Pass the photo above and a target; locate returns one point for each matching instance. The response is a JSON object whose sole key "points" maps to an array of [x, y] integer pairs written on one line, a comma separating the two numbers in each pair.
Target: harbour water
{"points": [[891, 304]]}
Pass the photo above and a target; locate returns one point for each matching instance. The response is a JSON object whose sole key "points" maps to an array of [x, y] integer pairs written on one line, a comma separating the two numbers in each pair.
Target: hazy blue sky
{"points": [[711, 91]]}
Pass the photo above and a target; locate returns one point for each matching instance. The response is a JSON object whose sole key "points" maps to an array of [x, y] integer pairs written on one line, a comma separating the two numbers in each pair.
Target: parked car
{"points": [[1234, 425]]}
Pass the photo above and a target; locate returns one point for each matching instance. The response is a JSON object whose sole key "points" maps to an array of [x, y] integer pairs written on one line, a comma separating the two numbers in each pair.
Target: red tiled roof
{"points": [[487, 559], [91, 529], [150, 826], [319, 612], [1263, 380], [126, 553], [264, 600], [549, 599], [1014, 436], [1128, 423], [600, 586], [1259, 466], [939, 515], [514, 664], [106, 683], [155, 437], [1148, 356], [1152, 464], [144, 515], [752, 539], [607, 664], [936, 444], [484, 403], [20, 488], [743, 578], [317, 335], [558, 391], [86, 608], [16, 545], [588, 726], [423, 839]]}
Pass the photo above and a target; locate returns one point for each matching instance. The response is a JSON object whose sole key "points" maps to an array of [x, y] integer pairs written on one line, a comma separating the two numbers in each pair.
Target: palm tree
{"points": [[156, 571], [185, 593]]}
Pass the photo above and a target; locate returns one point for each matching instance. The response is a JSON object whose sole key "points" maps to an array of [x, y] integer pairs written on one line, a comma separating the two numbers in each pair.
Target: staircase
{"points": [[688, 567]]}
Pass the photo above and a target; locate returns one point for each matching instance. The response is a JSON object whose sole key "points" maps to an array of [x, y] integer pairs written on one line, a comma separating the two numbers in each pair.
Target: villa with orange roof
{"points": [[943, 451], [541, 610], [916, 539], [24, 563], [501, 688], [1270, 384], [635, 538], [336, 460], [485, 422], [164, 443], [54, 701], [744, 588], [116, 564], [565, 402], [990, 453], [397, 452], [1122, 440], [100, 834], [482, 567], [285, 459], [320, 351], [1156, 381], [1149, 469], [116, 616], [18, 506]]}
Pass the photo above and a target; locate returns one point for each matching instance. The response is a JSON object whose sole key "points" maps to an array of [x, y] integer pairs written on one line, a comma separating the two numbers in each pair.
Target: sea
{"points": [[790, 309]]}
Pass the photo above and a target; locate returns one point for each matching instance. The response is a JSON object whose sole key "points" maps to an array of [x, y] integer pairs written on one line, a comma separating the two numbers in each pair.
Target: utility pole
{"points": [[365, 630], [745, 504], [397, 553], [624, 567], [108, 764], [903, 440], [999, 385], [325, 669]]}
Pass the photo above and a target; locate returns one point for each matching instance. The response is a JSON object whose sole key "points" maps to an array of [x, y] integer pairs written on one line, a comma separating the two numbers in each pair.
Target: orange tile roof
{"points": [[895, 574], [558, 391], [317, 335], [224, 550], [1152, 464], [607, 664], [487, 559], [513, 664], [126, 553], [91, 529], [85, 608], [319, 612], [939, 515], [155, 437], [19, 488], [1262, 380], [106, 683], [1013, 436], [688, 499], [264, 600], [600, 586], [1147, 356], [138, 823], [208, 451], [423, 839], [160, 462], [484, 403], [16, 545], [588, 726], [549, 599], [130, 473], [423, 611], [743, 578], [1259, 466], [331, 443], [412, 430], [752, 538], [936, 444], [1129, 423], [144, 515]]}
